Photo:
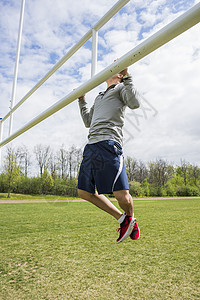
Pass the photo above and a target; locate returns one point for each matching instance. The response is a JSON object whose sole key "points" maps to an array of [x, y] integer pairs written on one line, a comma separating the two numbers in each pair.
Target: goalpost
{"points": [[164, 35]]}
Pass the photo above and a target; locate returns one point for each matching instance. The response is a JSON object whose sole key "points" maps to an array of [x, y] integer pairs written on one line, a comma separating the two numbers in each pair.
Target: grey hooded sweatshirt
{"points": [[106, 117]]}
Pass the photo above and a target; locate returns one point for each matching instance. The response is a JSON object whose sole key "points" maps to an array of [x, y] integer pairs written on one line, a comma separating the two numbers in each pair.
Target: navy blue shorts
{"points": [[103, 168]]}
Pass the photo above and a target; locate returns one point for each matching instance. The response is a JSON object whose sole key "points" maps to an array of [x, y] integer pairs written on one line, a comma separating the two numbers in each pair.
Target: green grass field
{"points": [[69, 251], [4, 196]]}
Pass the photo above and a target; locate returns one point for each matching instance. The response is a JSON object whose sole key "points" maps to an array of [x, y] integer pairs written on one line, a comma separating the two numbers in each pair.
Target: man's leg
{"points": [[102, 202], [127, 220], [125, 201]]}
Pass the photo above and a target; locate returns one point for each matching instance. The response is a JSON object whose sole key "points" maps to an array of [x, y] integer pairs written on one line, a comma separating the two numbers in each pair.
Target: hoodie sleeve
{"points": [[129, 94], [86, 114]]}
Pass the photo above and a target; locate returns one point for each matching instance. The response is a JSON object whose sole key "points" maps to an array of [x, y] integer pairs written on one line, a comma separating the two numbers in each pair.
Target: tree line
{"points": [[57, 173], [160, 178]]}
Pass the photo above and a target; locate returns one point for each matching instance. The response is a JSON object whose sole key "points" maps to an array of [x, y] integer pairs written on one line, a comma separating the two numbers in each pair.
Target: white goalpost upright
{"points": [[16, 64], [164, 35], [94, 52]]}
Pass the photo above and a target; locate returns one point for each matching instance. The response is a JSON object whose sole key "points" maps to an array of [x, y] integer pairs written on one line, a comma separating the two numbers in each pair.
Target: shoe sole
{"points": [[128, 232]]}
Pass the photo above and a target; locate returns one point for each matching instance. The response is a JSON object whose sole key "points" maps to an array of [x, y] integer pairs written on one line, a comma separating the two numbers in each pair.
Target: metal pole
{"points": [[1, 129], [94, 52], [16, 64], [167, 33], [1, 135], [74, 49], [110, 13]]}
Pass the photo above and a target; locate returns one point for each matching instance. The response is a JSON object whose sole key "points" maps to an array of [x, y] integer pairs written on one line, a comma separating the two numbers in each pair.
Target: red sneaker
{"points": [[126, 228], [135, 234]]}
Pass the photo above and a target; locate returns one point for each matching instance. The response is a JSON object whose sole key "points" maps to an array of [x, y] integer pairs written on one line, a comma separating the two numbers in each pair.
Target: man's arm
{"points": [[128, 93], [86, 114]]}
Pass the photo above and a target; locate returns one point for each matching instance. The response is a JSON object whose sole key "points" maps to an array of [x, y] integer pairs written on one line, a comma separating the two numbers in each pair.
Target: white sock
{"points": [[121, 219]]}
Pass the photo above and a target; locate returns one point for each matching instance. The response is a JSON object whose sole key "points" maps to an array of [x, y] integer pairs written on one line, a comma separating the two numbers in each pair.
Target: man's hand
{"points": [[81, 98], [124, 72]]}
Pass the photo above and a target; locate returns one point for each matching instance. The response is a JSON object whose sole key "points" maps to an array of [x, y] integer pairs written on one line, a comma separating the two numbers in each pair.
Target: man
{"points": [[102, 170]]}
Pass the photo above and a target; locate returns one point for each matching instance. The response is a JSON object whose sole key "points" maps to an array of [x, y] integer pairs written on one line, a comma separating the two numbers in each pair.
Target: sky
{"points": [[167, 124]]}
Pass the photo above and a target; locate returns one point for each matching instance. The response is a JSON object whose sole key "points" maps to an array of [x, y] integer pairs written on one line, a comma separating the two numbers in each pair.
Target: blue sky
{"points": [[167, 124]]}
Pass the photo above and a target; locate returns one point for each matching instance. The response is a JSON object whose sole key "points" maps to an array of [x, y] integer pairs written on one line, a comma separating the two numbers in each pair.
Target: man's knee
{"points": [[122, 196]]}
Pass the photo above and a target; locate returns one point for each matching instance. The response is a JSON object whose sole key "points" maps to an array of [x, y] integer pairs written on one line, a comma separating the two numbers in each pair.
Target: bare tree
{"points": [[78, 158], [131, 166], [71, 160], [53, 165], [62, 158], [136, 170], [141, 172], [42, 154], [159, 172], [23, 158]]}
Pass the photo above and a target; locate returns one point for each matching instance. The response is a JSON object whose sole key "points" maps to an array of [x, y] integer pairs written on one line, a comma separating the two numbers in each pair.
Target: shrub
{"points": [[47, 182], [27, 185], [135, 189], [161, 192], [145, 188], [65, 187], [156, 191], [192, 191], [187, 191], [3, 184], [180, 190], [170, 189]]}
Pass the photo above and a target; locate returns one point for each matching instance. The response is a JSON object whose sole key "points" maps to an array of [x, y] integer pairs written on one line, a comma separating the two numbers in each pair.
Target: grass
{"points": [[4, 196], [68, 251]]}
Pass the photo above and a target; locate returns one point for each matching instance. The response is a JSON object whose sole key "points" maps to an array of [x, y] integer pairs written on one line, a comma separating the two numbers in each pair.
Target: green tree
{"points": [[135, 189], [145, 187], [194, 172], [11, 170], [47, 182], [183, 171]]}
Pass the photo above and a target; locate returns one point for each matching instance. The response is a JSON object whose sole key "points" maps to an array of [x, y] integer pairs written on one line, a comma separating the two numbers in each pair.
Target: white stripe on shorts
{"points": [[119, 171]]}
